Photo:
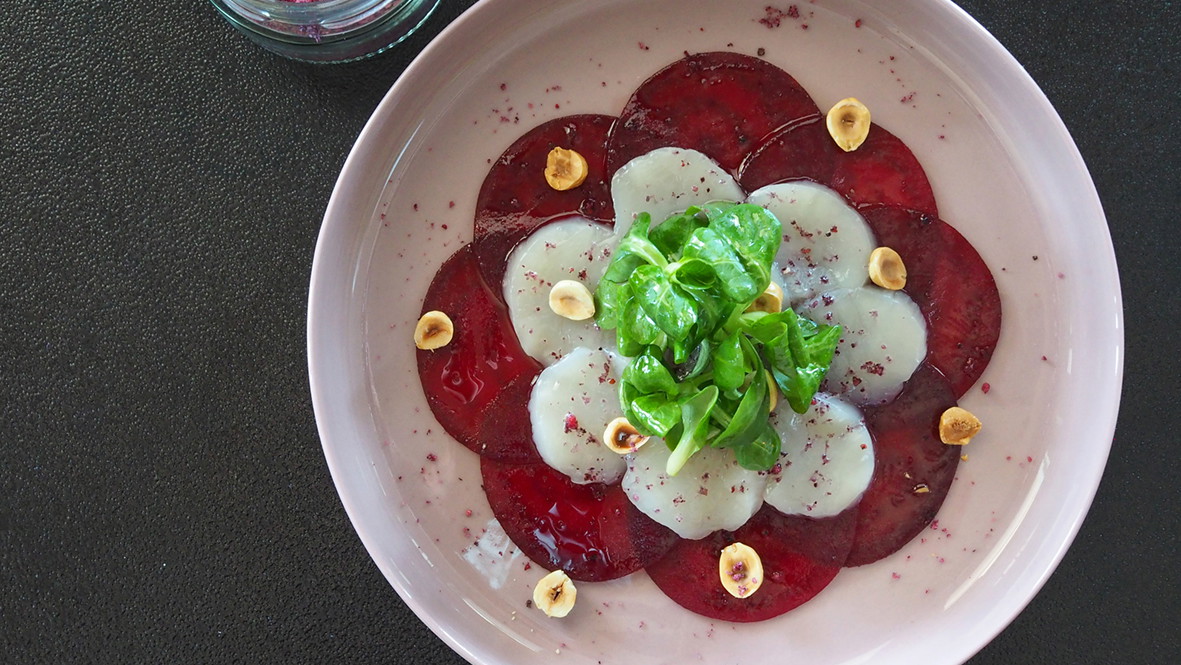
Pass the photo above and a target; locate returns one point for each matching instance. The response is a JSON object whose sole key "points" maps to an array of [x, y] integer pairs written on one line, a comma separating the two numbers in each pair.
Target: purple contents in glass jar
{"points": [[326, 31]]}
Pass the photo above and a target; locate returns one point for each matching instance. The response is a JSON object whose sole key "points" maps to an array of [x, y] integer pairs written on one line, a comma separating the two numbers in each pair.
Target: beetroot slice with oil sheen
{"points": [[913, 469], [590, 531], [722, 104], [689, 575], [515, 198], [826, 541], [952, 286], [882, 171], [478, 385], [801, 150]]}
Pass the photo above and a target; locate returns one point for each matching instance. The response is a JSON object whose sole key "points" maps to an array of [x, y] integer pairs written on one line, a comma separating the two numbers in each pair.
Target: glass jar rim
{"points": [[315, 18], [326, 31]]}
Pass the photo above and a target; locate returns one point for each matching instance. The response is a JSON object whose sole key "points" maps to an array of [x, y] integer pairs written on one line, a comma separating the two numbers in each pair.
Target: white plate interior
{"points": [[932, 77]]}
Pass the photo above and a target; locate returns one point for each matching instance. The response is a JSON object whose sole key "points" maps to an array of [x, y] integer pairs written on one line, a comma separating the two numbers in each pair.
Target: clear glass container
{"points": [[326, 30]]}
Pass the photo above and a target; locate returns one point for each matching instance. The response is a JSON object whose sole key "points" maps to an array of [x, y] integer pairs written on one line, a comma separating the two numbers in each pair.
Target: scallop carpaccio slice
{"points": [[913, 469], [478, 385], [882, 171], [590, 531], [800, 557], [722, 104], [515, 198], [952, 286]]}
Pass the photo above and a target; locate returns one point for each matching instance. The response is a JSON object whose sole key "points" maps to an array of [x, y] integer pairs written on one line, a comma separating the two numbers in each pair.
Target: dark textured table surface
{"points": [[163, 495]]}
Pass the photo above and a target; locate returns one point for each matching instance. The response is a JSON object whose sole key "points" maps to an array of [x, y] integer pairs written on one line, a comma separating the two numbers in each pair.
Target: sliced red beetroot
{"points": [[478, 385], [590, 531], [801, 150], [515, 198], [722, 104], [688, 574], [882, 171], [952, 286], [913, 469], [506, 433], [827, 540]]}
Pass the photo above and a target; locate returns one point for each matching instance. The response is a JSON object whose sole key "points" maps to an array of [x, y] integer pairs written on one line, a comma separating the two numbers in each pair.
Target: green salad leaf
{"points": [[703, 367]]}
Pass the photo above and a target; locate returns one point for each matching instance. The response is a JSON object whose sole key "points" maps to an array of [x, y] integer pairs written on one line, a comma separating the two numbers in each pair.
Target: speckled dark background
{"points": [[163, 496]]}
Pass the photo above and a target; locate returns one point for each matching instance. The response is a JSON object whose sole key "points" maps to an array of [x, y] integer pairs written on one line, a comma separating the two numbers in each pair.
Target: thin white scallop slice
{"points": [[826, 461], [571, 404], [710, 492], [826, 243], [883, 340], [573, 248], [667, 181]]}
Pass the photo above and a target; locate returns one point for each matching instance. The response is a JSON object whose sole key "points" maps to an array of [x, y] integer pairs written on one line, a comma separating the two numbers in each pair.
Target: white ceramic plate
{"points": [[1005, 173]]}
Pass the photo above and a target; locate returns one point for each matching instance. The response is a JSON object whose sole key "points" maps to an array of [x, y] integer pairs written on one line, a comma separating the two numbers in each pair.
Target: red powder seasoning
{"points": [[773, 16], [571, 423]]}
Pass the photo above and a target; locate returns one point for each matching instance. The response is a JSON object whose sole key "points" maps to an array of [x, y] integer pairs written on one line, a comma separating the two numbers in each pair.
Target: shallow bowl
{"points": [[1006, 174]]}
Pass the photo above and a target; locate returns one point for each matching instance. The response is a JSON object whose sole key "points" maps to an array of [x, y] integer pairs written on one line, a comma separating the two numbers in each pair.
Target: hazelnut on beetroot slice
{"points": [[957, 426], [740, 569], [572, 300], [886, 269], [848, 123], [555, 594], [565, 169], [434, 330]]}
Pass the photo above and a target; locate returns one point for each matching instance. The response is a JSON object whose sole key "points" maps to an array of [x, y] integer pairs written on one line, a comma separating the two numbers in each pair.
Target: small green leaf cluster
{"points": [[703, 367]]}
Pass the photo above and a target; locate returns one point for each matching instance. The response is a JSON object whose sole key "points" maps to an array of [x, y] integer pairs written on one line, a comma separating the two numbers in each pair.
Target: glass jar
{"points": [[326, 30]]}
